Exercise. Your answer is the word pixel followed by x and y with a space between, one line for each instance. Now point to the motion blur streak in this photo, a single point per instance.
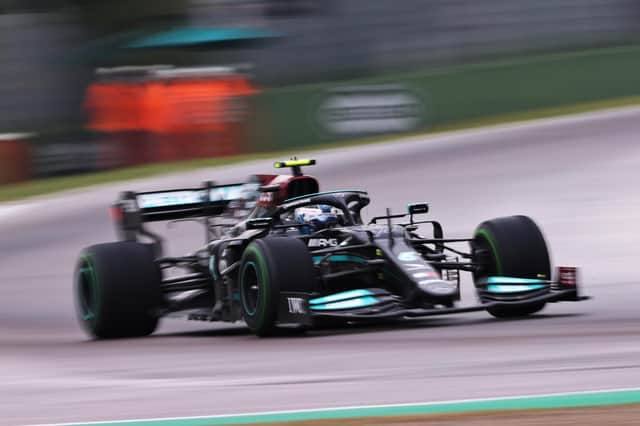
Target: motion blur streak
pixel 576 177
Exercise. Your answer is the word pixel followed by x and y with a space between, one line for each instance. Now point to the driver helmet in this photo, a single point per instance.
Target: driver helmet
pixel 316 217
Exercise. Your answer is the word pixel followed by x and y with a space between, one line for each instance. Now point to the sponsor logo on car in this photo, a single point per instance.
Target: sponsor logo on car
pixel 266 197
pixel 170 198
pixel 323 242
pixel 426 274
pixel 296 305
pixel 408 256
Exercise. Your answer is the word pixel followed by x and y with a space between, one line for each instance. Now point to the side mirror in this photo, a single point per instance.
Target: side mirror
pixel 259 223
pixel 418 208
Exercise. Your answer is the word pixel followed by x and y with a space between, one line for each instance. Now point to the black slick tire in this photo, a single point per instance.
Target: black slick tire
pixel 117 290
pixel 511 246
pixel 269 266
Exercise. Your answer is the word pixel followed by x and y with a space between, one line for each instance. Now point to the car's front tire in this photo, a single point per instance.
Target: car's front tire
pixel 511 246
pixel 268 266
pixel 117 290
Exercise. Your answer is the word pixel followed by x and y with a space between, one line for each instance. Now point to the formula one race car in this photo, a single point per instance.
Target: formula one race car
pixel 280 253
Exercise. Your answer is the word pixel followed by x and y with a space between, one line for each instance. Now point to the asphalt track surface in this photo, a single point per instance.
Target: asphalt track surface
pixel 577 177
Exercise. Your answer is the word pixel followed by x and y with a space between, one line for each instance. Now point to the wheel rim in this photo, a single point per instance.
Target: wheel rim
pixel 486 256
pixel 250 288
pixel 86 291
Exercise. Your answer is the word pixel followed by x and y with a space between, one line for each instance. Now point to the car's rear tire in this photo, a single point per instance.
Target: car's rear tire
pixel 269 266
pixel 117 290
pixel 511 246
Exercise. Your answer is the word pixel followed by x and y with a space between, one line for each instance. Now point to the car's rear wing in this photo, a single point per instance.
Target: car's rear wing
pixel 133 209
pixel 210 200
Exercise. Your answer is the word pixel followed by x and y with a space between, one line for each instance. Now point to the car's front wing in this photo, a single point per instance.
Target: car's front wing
pixel 395 310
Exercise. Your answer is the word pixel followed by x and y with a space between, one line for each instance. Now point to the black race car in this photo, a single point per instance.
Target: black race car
pixel 280 253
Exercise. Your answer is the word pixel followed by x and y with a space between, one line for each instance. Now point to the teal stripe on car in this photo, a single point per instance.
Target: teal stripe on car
pixel 344 295
pixel 514 280
pixel 359 302
pixel 341 258
pixel 517 288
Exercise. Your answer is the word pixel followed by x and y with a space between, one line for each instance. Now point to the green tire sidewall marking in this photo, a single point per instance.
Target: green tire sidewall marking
pixel 250 312
pixel 494 248
pixel 89 264
pixel 87 311
pixel 263 283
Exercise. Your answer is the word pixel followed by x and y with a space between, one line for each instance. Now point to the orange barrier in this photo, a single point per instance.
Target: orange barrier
pixel 193 105
pixel 171 119
pixel 114 107
pixel 14 158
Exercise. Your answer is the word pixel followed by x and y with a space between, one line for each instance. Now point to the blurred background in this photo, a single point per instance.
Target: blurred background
pixel 126 85
pixel 93 85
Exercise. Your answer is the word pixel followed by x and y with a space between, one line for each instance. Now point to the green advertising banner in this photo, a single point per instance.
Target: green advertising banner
pixel 309 115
